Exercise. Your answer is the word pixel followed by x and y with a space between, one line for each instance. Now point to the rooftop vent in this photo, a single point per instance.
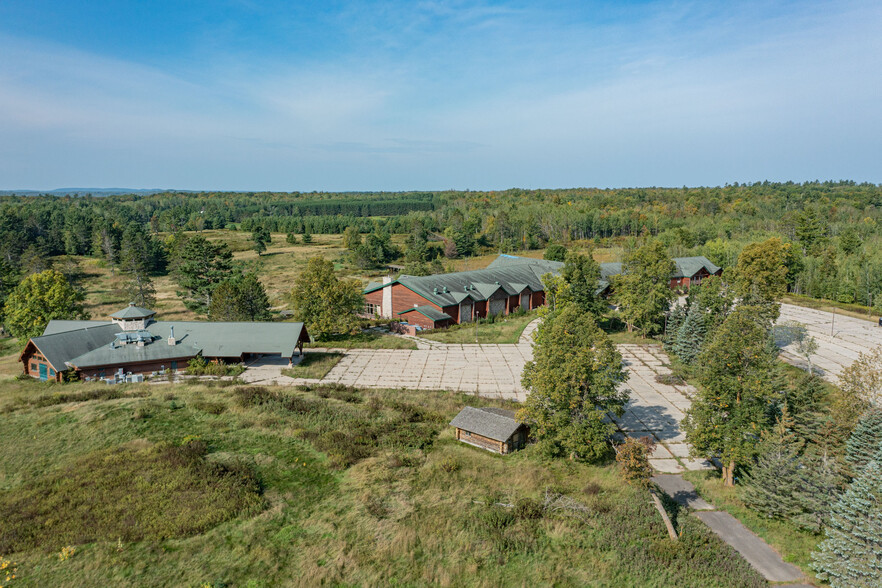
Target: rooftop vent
pixel 436 290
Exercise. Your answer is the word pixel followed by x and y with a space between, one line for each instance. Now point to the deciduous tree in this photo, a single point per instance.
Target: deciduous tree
pixel 325 303
pixel 574 383
pixel 736 372
pixel 38 299
pixel 642 290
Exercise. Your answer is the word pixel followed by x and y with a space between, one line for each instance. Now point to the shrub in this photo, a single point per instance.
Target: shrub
pixel 633 459
pixel 449 465
pixel 527 508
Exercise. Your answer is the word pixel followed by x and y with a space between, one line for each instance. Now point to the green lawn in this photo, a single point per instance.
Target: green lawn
pixel 792 543
pixel 354 488
pixel 315 365
pixel 364 340
pixel 502 330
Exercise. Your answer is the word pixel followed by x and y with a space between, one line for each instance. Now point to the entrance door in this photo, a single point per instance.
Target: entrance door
pixel 497 306
pixel 465 312
pixel 43 372
pixel 525 300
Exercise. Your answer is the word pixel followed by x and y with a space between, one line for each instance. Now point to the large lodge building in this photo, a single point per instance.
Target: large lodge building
pixel 507 284
pixel 132 342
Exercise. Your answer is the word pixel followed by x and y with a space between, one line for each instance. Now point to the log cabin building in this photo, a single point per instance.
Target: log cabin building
pixel 132 342
pixel 509 283
pixel 493 429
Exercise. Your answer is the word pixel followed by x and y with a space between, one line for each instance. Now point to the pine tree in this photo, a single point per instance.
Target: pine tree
pixel 866 440
pixel 818 486
pixel 690 335
pixel 676 316
pixel 770 485
pixel 851 554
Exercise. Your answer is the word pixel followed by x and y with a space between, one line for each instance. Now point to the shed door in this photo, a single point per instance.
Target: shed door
pixel 497 306
pixel 525 300
pixel 43 373
pixel 465 312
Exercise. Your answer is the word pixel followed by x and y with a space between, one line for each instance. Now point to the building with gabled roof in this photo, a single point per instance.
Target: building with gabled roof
pixel 132 342
pixel 507 284
pixel 493 429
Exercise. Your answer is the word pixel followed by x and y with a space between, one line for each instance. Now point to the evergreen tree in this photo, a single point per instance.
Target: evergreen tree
pixel 291 239
pixel 690 335
pixel 818 486
pixel 199 267
pixel 260 238
pixel 770 485
pixel 851 553
pixel 555 252
pixel 240 298
pixel 136 260
pixel 676 316
pixel 307 237
pixel 866 440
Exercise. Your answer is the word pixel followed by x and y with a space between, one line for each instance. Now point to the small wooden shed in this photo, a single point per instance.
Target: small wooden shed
pixel 493 429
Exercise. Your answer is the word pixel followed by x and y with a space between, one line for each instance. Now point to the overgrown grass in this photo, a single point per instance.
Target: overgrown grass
pixel 129 493
pixel 503 330
pixel 364 340
pixel 314 365
pixel 794 544
pixel 359 487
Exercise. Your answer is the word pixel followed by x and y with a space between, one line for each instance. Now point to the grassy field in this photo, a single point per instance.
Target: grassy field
pixel 792 543
pixel 364 340
pixel 315 365
pixel 502 330
pixel 304 487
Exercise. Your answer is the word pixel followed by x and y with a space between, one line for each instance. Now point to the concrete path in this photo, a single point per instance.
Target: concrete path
pixel 752 548
pixel 656 408
pixel 840 339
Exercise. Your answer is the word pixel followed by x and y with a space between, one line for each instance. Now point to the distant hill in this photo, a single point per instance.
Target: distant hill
pixel 92 191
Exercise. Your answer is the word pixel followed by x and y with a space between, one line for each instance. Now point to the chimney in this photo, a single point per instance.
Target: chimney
pixel 171 335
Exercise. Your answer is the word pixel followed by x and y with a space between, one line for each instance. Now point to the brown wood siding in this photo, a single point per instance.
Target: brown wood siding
pixel 480 310
pixel 415 318
pixel 453 311
pixel 538 299
pixel 481 441
pixel 375 297
pixel 513 303
pixel 404 298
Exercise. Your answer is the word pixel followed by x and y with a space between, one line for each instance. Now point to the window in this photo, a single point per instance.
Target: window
pixel 371 309
pixel 466 434
pixel 51 372
pixel 33 367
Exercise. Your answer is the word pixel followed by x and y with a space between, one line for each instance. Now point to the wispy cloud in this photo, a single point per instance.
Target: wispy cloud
pixel 455 94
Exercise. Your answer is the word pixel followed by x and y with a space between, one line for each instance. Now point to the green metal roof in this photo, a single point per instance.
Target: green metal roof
pixel 60 348
pixel 133 312
pixel 88 343
pixel 430 312
pixel 689 266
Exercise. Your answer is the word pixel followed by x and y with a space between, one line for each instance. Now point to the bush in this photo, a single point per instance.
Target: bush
pixel 527 508
pixel 633 459
pixel 199 366
pixel 449 465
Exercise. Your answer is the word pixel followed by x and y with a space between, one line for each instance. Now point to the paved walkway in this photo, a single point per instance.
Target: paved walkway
pixel 840 339
pixel 656 408
pixel 752 548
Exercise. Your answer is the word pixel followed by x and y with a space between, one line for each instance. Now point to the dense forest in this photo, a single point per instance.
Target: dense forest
pixel 833 227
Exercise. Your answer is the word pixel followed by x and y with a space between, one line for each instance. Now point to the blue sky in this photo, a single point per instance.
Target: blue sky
pixel 254 95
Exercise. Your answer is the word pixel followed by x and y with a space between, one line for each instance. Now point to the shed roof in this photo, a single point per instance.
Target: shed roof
pixel 133 312
pixel 430 312
pixel 494 423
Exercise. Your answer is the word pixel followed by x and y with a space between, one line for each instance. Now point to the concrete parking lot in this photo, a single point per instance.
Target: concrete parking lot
pixel 840 339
